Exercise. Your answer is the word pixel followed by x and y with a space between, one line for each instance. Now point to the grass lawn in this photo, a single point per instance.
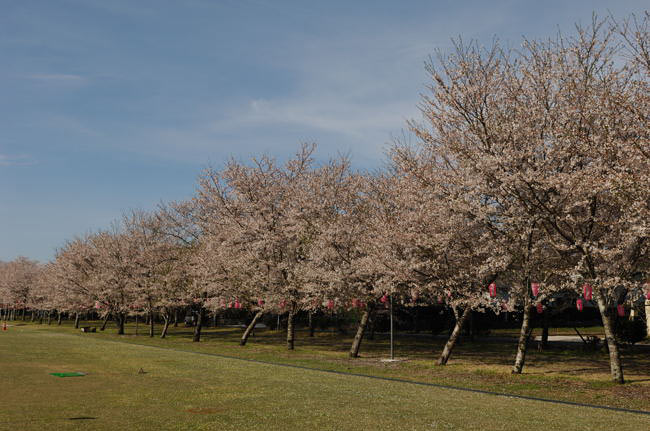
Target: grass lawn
pixel 183 390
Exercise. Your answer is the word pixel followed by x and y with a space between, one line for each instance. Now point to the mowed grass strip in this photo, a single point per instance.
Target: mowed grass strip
pixel 566 374
pixel 186 391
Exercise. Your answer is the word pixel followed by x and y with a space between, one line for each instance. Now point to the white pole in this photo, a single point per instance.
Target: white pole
pixel 392 356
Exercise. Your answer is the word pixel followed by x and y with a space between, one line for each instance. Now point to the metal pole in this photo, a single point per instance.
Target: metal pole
pixel 392 356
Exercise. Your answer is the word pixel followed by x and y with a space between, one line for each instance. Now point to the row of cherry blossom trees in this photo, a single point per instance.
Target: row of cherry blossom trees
pixel 528 173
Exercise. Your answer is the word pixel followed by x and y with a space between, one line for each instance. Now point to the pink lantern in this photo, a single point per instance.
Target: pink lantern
pixel 384 299
pixel 647 296
pixel 237 304
pixel 579 304
pixel 535 288
pixel 260 302
pixel 223 304
pixel 587 291
pixel 356 303
pixel 493 289
pixel 230 305
pixel 283 303
pixel 97 305
pixel 330 304
pixel 620 309
pixel 540 308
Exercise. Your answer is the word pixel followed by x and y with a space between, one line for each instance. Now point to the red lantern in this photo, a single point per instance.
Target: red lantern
pixel 237 304
pixel 540 308
pixel 587 291
pixel 330 304
pixel 620 308
pixel 647 296
pixel 356 303
pixel 493 289
pixel 384 299
pixel 260 302
pixel 283 303
pixel 579 304
pixel 535 288
pixel 230 305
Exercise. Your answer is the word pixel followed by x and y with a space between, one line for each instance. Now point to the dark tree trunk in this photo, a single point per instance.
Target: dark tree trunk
pixel 522 346
pixel 60 318
pixel 108 315
pixel 120 320
pixel 614 356
pixel 31 318
pixel 199 324
pixel 356 343
pixel 49 317
pixel 166 320
pixel 40 317
pixel 175 317
pixel 416 320
pixel 250 328
pixel 23 316
pixel 290 329
pixel 312 326
pixel 451 342
pixel 151 323
pixel 76 320
pixel 371 323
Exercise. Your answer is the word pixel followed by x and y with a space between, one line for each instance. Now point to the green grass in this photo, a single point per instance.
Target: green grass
pixel 183 390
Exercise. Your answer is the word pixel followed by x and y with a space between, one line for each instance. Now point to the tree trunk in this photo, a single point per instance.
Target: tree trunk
pixel 40 317
pixel 356 343
pixel 166 319
pixel 522 346
pixel 59 318
pixel 49 317
pixel 175 317
pixel 451 342
pixel 312 327
pixel 31 318
pixel 614 356
pixel 371 323
pixel 199 324
pixel 24 318
pixel 290 329
pixel 151 323
pixel 647 317
pixel 120 320
pixel 76 320
pixel 105 321
pixel 250 328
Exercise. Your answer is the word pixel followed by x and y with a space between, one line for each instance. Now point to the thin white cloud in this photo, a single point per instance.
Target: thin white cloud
pixel 58 77
pixel 17 160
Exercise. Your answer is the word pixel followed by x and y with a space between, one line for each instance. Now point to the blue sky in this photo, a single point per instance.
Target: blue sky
pixel 107 105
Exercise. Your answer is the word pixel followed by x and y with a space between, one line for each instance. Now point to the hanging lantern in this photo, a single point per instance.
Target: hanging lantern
pixel 260 302
pixel 647 296
pixel 535 288
pixel 540 308
pixel 587 291
pixel 97 305
pixel 283 303
pixel 230 305
pixel 237 304
pixel 330 304
pixel 620 309
pixel 223 304
pixel 356 303
pixel 384 299
pixel 579 304
pixel 493 289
